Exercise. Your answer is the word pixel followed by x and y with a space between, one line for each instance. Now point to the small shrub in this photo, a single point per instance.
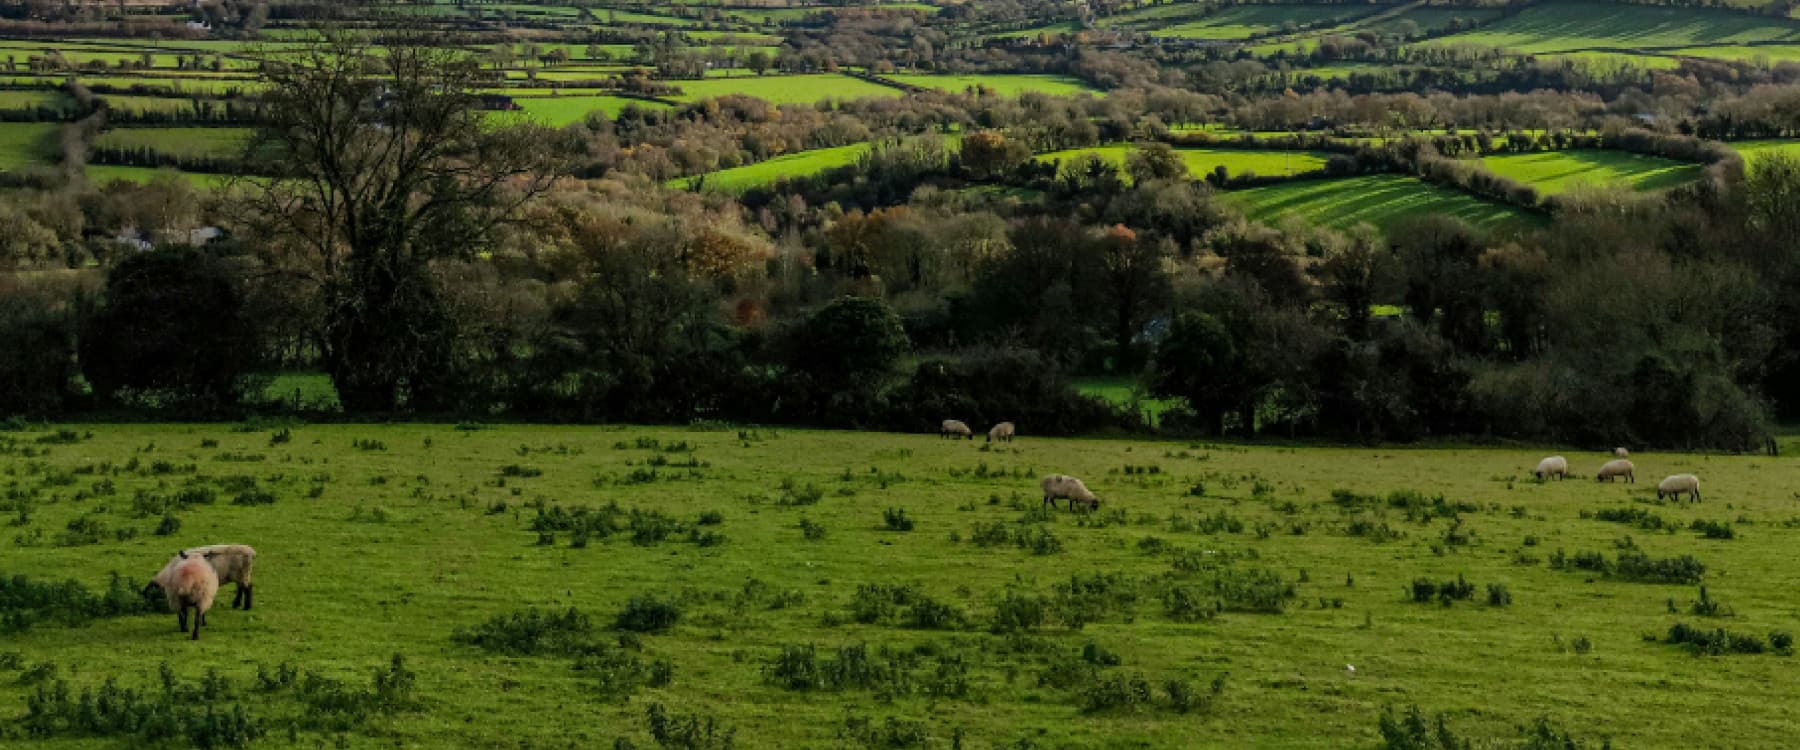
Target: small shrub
pixel 894 519
pixel 644 614
pixel 812 530
pixel 711 518
pixel 170 524
pixel 1498 596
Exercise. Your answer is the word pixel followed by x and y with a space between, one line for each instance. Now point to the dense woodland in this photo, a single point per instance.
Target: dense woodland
pixel 381 230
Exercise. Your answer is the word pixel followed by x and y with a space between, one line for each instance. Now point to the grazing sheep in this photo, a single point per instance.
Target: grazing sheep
pixel 954 429
pixel 1676 484
pixel 1002 432
pixel 1621 453
pixel 1617 468
pixel 1065 486
pixel 1554 466
pixel 233 563
pixel 187 581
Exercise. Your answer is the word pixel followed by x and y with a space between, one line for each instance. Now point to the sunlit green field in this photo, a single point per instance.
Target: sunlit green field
pixel 1557 171
pixel 1003 85
pixel 1753 150
pixel 795 89
pixel 382 540
pixel 1245 21
pixel 1203 161
pixel 1380 200
pixel 557 111
pixel 802 164
pixel 1564 27
pixel 101 174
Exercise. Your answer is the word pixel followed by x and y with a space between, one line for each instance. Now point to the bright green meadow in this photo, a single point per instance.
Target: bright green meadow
pixel 1380 200
pixel 1558 171
pixel 1251 579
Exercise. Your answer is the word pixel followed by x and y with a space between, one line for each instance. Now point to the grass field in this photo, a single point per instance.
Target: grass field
pixel 1122 391
pixel 192 142
pixel 1380 200
pixel 35 99
pixel 802 164
pixel 1763 54
pixel 392 547
pixel 1004 85
pixel 1245 21
pixel 1202 161
pixel 795 89
pixel 27 143
pixel 1752 150
pixel 557 111
pixel 101 174
pixel 1565 27
pixel 1558 171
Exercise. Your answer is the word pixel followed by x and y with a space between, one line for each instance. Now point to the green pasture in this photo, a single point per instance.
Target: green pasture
pixel 28 143
pixel 1245 21
pixel 1569 27
pixel 1380 200
pixel 794 89
pixel 1765 54
pixel 557 111
pixel 186 142
pixel 1558 171
pixel 1003 85
pixel 1754 150
pixel 35 99
pixel 801 164
pixel 1203 161
pixel 1274 582
pixel 100 174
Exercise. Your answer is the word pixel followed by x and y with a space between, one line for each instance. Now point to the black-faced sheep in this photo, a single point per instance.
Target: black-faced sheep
pixel 233 563
pixel 1554 466
pixel 955 429
pixel 1002 432
pixel 1616 469
pixel 187 581
pixel 1065 486
pixel 1677 484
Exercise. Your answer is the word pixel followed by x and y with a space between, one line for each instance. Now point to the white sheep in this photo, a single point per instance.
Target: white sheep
pixel 954 429
pixel 233 563
pixel 1676 484
pixel 187 581
pixel 1065 486
pixel 1002 432
pixel 1617 468
pixel 1621 453
pixel 1554 466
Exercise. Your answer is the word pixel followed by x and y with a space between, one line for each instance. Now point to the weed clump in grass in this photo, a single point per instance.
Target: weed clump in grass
pixel 1425 590
pixel 812 530
pixel 1412 732
pixel 646 614
pixel 895 519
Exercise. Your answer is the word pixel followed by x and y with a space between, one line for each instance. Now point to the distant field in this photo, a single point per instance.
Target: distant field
pixel 1753 150
pixel 35 99
pixel 1202 161
pixel 1429 19
pixel 101 174
pixel 27 143
pixel 1558 171
pixel 1771 53
pixel 206 142
pixel 1566 27
pixel 1611 61
pixel 797 89
pixel 1120 391
pixel 1381 200
pixel 135 103
pixel 557 111
pixel 1004 85
pixel 1245 21
pixel 802 164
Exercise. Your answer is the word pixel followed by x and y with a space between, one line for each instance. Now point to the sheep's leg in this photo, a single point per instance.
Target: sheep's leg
pixel 181 617
pixel 199 617
pixel 249 591
pixel 237 597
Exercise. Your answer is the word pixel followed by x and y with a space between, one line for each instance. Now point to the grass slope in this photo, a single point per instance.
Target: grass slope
pixel 1753 150
pixel 1564 27
pixel 1004 85
pixel 427 530
pixel 557 111
pixel 1557 171
pixel 213 142
pixel 1381 200
pixel 27 143
pixel 804 163
pixel 1202 161
pixel 795 89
